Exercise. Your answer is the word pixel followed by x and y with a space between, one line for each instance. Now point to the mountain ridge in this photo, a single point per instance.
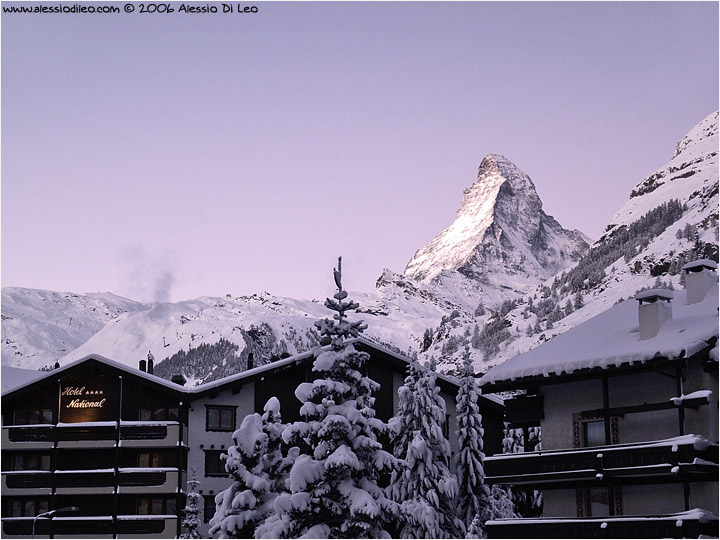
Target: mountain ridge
pixel 499 231
pixel 670 217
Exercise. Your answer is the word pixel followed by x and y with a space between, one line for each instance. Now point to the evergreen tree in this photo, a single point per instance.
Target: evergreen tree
pixel 193 504
pixel 424 487
pixel 240 508
pixel 276 465
pixel 473 493
pixel 333 487
pixel 499 506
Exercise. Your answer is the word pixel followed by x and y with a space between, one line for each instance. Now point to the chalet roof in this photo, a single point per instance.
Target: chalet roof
pixel 16 379
pixel 611 340
pixel 400 362
pixel 21 381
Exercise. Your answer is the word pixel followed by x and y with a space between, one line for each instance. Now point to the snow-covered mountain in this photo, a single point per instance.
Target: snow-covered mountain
pixel 671 218
pixel 501 241
pixel 38 326
pixel 532 278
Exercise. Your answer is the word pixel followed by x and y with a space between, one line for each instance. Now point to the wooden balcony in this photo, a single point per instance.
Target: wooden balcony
pixel 92 527
pixel 94 481
pixel 687 458
pixel 692 524
pixel 27 483
pixel 92 435
pixel 85 434
pixel 36 436
pixel 137 480
pixel 155 434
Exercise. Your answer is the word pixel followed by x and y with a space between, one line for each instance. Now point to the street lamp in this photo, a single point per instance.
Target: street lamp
pixel 52 513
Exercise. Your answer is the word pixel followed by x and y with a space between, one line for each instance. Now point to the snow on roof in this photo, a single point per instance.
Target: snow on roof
pixel 301 356
pixel 12 377
pixel 654 294
pixel 612 338
pixel 700 263
pixel 27 381
pixel 17 379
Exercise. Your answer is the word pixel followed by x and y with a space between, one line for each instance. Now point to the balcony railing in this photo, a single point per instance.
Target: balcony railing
pixel 688 458
pixel 132 480
pixel 164 526
pixel 104 434
pixel 692 524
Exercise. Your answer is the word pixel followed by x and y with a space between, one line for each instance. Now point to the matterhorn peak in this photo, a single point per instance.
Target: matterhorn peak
pixel 500 237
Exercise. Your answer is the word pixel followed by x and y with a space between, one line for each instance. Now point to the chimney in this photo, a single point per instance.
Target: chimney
pixel 654 309
pixel 143 365
pixel 150 363
pixel 179 379
pixel 700 276
pixel 250 361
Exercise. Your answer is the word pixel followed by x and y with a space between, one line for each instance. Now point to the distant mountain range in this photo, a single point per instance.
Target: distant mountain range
pixel 502 278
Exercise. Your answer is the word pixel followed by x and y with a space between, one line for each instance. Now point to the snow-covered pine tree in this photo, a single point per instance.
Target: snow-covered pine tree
pixel 425 488
pixel 193 504
pixel 472 491
pixel 499 507
pixel 333 487
pixel 241 507
pixel 276 465
pixel 527 503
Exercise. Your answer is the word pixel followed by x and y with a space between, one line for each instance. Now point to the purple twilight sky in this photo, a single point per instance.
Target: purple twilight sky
pixel 170 156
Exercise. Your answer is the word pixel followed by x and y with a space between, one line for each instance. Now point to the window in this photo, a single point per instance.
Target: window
pixel 33 416
pixel 27 507
pixel 220 418
pixel 156 459
pixel 158 414
pixel 594 433
pixel 31 462
pixel 214 464
pixel 156 507
pixel 209 510
pixel 597 502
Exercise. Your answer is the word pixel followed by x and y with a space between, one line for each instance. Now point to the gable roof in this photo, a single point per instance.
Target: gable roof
pixel 446 382
pixel 612 340
pixel 24 383
pixel 16 381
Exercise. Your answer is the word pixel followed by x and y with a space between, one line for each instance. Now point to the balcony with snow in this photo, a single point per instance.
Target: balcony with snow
pixel 676 460
pixel 91 527
pixel 33 436
pixel 628 408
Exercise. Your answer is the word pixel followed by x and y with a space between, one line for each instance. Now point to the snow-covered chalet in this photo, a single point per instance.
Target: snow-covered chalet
pixel 627 403
pixel 117 443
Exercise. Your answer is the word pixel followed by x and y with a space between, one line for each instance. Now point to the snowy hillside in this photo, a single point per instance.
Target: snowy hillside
pixel 39 327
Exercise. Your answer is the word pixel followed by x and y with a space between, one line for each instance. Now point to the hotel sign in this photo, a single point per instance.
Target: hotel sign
pixel 89 400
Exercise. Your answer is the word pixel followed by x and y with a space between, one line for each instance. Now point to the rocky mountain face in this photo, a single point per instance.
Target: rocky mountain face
pixel 501 279
pixel 671 218
pixel 501 241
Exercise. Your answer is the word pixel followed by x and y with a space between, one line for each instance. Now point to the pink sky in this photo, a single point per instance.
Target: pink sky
pixel 165 157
